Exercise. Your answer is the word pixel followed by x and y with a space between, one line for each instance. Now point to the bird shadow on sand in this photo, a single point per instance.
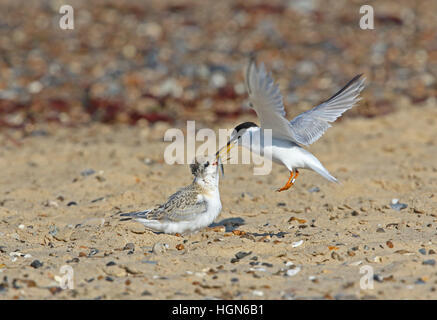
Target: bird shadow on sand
pixel 230 224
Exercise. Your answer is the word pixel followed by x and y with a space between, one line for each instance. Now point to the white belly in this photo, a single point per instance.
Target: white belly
pixel 280 151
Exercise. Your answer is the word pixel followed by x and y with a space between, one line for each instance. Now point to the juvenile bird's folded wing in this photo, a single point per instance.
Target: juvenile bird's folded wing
pixel 183 205
pixel 309 126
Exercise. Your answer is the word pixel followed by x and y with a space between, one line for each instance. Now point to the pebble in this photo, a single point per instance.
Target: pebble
pixel 422 251
pixel 293 272
pixel 115 271
pixel 247 195
pixel 72 203
pixel 336 256
pixel 129 246
pixel 137 228
pixel 159 248
pixel 314 189
pixel 53 204
pixel 53 230
pixel 87 172
pixel 378 278
pixel 242 254
pixel 110 263
pixel 146 293
pixel 380 230
pixel 258 293
pixel 170 87
pixel 218 80
pixel 396 205
pixel 36 264
pixel 297 243
pixel 93 252
pixel 430 262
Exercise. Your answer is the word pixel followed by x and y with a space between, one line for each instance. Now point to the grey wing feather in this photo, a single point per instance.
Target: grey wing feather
pixel 266 99
pixel 182 205
pixel 135 214
pixel 309 126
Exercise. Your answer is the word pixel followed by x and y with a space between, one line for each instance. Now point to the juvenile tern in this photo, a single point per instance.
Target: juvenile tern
pixel 287 136
pixel 191 208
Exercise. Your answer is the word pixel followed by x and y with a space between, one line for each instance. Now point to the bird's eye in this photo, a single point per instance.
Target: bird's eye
pixel 206 164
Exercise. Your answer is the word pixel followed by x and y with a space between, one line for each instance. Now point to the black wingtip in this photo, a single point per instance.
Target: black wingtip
pixel 125 214
pixel 353 80
pixel 357 77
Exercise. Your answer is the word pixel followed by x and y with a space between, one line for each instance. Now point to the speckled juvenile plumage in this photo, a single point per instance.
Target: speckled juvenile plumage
pixel 179 206
pixel 190 208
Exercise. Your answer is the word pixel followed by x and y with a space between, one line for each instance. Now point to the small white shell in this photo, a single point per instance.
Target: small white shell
pixel 258 293
pixel 293 272
pixel 297 243
pixel 356 263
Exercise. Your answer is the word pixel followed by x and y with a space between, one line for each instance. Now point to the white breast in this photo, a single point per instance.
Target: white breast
pixel 280 151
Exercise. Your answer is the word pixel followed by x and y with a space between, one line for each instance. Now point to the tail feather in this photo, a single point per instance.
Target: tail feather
pixel 134 215
pixel 324 173
pixel 311 162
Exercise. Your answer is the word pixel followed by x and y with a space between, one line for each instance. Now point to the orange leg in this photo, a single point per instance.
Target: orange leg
pixel 290 182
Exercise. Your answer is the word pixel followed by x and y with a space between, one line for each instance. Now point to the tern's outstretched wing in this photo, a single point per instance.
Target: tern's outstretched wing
pixel 309 126
pixel 266 99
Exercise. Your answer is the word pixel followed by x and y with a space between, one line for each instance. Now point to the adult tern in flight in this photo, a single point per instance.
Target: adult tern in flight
pixel 287 136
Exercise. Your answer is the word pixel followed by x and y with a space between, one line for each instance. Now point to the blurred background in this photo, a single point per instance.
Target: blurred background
pixel 145 62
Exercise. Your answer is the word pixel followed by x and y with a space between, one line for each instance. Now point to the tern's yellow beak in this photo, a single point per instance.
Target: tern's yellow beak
pixel 228 148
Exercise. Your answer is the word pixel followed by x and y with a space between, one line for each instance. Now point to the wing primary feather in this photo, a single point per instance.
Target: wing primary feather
pixel 345 87
pixel 310 125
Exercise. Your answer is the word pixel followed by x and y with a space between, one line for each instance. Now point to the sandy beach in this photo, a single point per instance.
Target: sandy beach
pixel 62 190
pixel 83 113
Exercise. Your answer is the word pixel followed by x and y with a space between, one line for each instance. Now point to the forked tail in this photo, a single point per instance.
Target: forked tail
pixel 324 173
pixel 314 164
